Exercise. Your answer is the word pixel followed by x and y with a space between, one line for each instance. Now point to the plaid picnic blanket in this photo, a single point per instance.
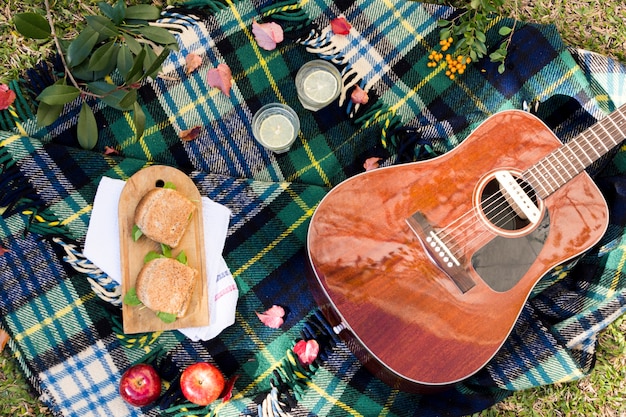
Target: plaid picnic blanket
pixel 63 313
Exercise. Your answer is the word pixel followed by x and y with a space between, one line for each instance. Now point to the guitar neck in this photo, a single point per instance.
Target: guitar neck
pixel 564 163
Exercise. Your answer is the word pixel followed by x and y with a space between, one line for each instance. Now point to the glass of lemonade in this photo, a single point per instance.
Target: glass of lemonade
pixel 276 126
pixel 318 83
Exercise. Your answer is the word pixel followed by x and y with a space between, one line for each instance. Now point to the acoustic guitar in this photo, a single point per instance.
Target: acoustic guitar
pixel 423 268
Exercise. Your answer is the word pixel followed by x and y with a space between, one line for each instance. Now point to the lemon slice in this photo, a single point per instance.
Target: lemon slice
pixel 320 86
pixel 276 131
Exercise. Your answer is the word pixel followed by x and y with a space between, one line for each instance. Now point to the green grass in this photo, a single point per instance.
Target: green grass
pixel 598 26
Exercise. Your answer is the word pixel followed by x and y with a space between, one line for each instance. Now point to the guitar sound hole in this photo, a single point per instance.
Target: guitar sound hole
pixel 502 212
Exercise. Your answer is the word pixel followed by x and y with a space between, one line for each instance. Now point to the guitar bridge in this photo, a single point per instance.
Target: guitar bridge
pixel 439 253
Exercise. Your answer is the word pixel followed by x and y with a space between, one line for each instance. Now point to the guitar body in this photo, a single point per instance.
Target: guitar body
pixel 403 316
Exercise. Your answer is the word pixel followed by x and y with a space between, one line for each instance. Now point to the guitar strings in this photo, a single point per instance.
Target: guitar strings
pixel 496 201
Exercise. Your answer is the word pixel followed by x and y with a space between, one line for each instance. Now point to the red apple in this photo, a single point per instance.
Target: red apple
pixel 140 385
pixel 202 383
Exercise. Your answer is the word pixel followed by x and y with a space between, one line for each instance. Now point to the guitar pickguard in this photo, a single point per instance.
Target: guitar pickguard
pixel 503 261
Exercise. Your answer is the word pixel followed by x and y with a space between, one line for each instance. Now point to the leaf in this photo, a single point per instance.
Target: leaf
pixel 133 44
pixel 267 35
pixel 137 233
pixel 307 351
pixel 110 12
pixel 221 77
pixel 496 56
pixel 128 100
pixel 273 317
pixel 87 128
pixel 105 57
pixel 505 30
pixel 32 25
pixel 101 88
pixel 169 185
pixel 143 12
pixel 48 113
pixel 167 251
pixel 152 255
pixel 166 317
pixel 102 25
pixel 159 35
pixel 119 99
pixel 182 257
pixel 124 60
pixel 190 134
pixel 131 299
pixel 136 72
pixel 140 119
pixel 58 94
pixel 154 68
pixel 81 47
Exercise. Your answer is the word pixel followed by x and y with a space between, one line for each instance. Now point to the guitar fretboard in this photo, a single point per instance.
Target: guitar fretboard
pixel 564 163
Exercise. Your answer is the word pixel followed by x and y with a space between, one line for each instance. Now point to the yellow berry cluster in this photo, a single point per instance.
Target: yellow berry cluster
pixel 452 65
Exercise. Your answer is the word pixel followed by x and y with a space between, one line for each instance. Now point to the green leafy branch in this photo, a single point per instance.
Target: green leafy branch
pixel 107 60
pixel 469 28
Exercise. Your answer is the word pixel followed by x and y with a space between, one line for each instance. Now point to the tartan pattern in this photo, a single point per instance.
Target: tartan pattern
pixel 69 339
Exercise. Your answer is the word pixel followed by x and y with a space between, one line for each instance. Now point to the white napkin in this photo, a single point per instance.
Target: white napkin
pixel 102 247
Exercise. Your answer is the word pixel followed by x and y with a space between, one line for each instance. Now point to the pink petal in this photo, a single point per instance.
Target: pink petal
pixel 270 321
pixel 307 351
pixel 371 163
pixel 110 151
pixel 7 97
pixel 272 317
pixel 267 35
pixel 227 393
pixel 340 26
pixel 192 62
pixel 276 311
pixel 359 96
pixel 190 134
pixel 221 77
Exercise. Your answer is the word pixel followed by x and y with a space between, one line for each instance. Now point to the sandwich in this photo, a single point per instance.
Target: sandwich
pixel 163 215
pixel 165 286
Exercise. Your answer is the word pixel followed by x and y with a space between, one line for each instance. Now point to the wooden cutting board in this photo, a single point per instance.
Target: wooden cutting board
pixel 141 319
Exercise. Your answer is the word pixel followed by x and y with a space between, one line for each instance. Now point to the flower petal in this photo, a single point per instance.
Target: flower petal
pixel 340 26
pixel 192 62
pixel 270 321
pixel 307 351
pixel 190 134
pixel 359 96
pixel 371 163
pixel 221 77
pixel 227 392
pixel 110 151
pixel 267 35
pixel 7 97
pixel 272 317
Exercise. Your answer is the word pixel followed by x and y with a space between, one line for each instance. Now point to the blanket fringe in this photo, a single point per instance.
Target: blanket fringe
pixel 290 13
pixel 213 6
pixel 103 285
